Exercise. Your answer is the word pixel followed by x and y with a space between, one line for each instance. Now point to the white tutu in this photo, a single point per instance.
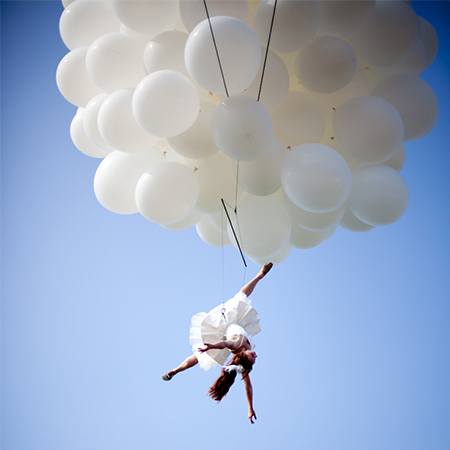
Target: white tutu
pixel 240 318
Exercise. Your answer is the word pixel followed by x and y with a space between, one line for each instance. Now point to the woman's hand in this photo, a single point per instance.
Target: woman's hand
pixel 206 348
pixel 251 416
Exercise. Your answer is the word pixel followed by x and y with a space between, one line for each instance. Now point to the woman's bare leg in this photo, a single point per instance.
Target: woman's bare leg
pixel 248 288
pixel 189 362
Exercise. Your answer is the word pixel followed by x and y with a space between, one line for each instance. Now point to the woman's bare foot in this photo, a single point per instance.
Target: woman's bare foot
pixel 169 375
pixel 265 269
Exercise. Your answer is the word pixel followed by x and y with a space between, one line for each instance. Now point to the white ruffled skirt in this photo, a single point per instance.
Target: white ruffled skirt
pixel 238 318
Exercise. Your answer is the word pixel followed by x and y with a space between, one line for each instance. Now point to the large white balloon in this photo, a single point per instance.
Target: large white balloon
pixel 73 79
pixel 316 178
pixel 193 11
pixel 262 176
pixel 81 139
pixel 299 120
pixel 209 233
pixel 415 101
pixel 351 223
pixel 117 176
pixel 114 61
pixel 239 51
pixel 342 18
pixel 189 221
pixel 197 142
pixel 313 221
pixel 295 23
pixel 166 103
pixel 430 39
pixel 90 121
pixel 379 195
pixel 326 64
pixel 388 36
pixel 414 64
pixel 275 259
pixel 369 128
pixel 118 126
pixel 242 128
pixel 304 239
pixel 216 181
pixel 149 18
pixel 166 52
pixel 275 87
pixel 167 192
pixel 358 86
pixel 263 226
pixel 398 160
pixel 83 21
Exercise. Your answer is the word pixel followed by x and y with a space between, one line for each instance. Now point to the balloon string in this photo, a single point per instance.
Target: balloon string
pixel 234 233
pixel 215 46
pixel 267 50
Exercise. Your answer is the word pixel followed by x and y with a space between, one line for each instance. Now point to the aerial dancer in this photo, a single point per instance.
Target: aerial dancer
pixel 226 329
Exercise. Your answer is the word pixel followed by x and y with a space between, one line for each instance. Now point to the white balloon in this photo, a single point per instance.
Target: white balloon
pixel 316 178
pixel 262 176
pixel 188 222
pixel 326 64
pixel 73 79
pixel 341 18
pixel 295 23
pixel 193 11
pixel 430 39
pixel 197 142
pixel 167 192
pixel 83 21
pixel 379 195
pixel 358 86
pixel 313 221
pixel 118 126
pixel 398 160
pixel 388 36
pixel 242 128
pixel 117 176
pixel 219 222
pixel 351 223
pixel 90 122
pixel 114 61
pixel 299 120
pixel 414 64
pixel 216 181
pixel 209 234
pixel 240 55
pixel 369 128
pixel 275 87
pixel 147 17
pixel 415 101
pixel 81 140
pixel 275 259
pixel 304 239
pixel 166 52
pixel 166 103
pixel 263 226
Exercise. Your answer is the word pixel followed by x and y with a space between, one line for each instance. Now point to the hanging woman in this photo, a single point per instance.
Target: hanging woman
pixel 227 329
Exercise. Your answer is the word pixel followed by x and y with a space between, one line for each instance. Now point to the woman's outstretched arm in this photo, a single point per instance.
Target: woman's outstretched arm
pixel 231 345
pixel 248 288
pixel 249 394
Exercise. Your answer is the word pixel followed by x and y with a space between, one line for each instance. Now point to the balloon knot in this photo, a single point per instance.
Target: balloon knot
pixel 195 169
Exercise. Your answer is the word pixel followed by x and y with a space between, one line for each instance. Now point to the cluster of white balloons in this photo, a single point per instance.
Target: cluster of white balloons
pixel 323 146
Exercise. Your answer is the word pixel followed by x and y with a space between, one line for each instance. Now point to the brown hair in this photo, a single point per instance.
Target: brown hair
pixel 222 385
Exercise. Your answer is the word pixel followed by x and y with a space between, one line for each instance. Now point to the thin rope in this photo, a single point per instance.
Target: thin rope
pixel 234 233
pixel 267 50
pixel 215 46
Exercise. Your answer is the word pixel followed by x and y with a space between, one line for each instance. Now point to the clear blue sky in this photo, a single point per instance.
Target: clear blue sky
pixel 96 306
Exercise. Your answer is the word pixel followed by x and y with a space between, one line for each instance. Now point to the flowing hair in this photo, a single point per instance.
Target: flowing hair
pixel 222 385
